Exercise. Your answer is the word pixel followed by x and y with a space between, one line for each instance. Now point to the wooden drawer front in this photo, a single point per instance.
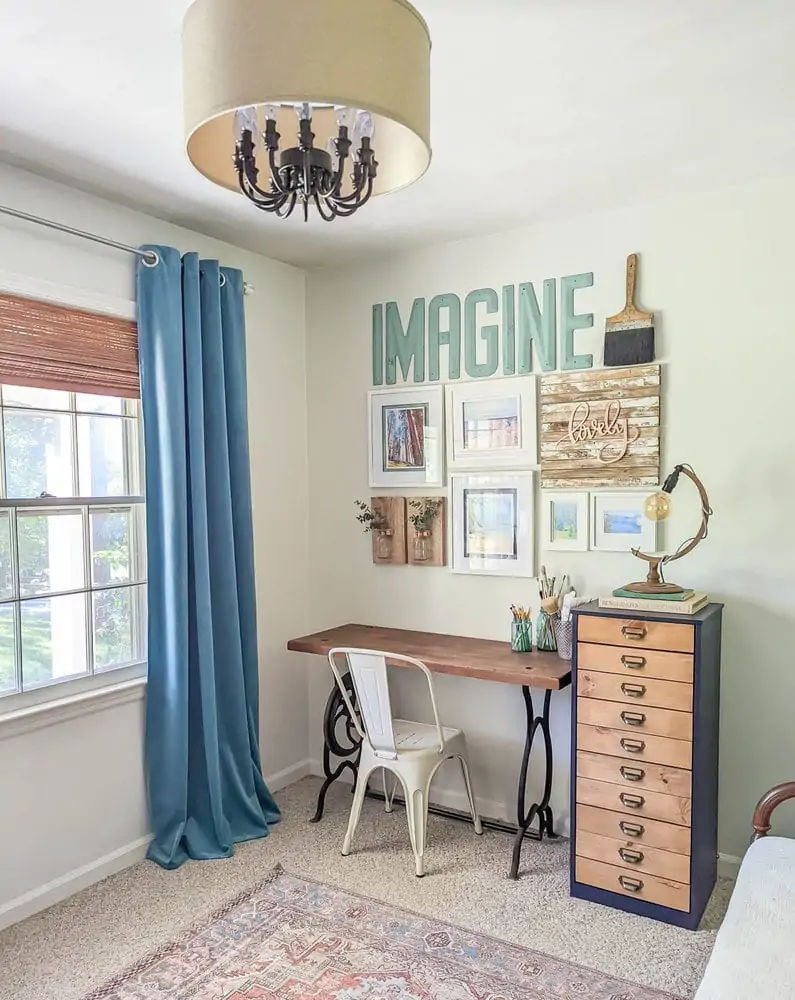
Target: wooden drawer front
pixel 652 888
pixel 632 829
pixel 635 801
pixel 636 633
pixel 636 720
pixel 635 857
pixel 635 664
pixel 635 746
pixel 635 690
pixel 639 774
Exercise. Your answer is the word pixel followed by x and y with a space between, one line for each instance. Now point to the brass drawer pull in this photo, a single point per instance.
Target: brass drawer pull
pixel 636 632
pixel 631 857
pixel 633 773
pixel 633 746
pixel 631 829
pixel 632 801
pixel 633 690
pixel 634 662
pixel 630 884
pixel 633 718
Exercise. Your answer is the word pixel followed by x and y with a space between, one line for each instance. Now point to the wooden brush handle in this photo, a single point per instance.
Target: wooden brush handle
pixel 632 274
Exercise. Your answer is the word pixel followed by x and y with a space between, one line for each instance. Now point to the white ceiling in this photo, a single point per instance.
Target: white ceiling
pixel 540 109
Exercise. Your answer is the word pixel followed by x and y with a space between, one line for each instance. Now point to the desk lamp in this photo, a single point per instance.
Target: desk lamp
pixel 658 507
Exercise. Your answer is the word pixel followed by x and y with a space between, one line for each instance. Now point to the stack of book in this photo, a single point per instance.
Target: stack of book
pixel 687 603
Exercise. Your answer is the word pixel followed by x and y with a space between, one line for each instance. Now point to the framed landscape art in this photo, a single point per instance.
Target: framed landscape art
pixel 565 521
pixel 492 424
pixel 618 523
pixel 492 524
pixel 406 437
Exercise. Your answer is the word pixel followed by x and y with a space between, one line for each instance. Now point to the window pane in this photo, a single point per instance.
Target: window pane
pixel 110 546
pixel 89 403
pixel 53 639
pixel 50 552
pixel 38 453
pixel 7 643
pixel 118 627
pixel 42 399
pixel 100 449
pixel 6 573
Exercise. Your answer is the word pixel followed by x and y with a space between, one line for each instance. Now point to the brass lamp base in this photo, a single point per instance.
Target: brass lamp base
pixel 654 583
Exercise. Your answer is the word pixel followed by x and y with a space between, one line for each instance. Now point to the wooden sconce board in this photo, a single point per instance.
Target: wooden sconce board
pixel 438 539
pixel 394 511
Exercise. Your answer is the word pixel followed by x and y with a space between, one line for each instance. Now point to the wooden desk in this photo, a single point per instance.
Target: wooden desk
pixel 483 659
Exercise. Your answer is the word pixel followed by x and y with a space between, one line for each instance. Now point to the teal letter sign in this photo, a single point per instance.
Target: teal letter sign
pixel 569 322
pixel 405 346
pixel 490 333
pixel 536 328
pixel 450 337
pixel 523 336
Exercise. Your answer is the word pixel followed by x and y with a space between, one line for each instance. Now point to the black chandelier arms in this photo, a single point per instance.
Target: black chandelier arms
pixel 305 173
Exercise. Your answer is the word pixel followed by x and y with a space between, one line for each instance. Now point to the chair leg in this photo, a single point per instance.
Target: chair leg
pixel 356 811
pixel 470 795
pixel 417 815
pixel 389 794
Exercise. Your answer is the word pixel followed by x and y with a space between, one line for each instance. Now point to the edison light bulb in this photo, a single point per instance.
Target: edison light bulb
pixel 658 506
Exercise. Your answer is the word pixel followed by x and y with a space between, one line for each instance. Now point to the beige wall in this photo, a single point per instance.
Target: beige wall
pixel 72 802
pixel 718 270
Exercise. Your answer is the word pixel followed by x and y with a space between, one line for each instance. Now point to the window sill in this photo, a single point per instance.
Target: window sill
pixel 51 713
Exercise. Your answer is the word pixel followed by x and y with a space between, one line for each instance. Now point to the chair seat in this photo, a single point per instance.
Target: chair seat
pixel 421 738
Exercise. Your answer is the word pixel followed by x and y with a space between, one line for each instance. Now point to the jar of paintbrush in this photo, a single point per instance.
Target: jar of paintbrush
pixel 549 596
pixel 521 630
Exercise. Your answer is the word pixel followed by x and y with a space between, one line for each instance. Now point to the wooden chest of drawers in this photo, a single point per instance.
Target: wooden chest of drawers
pixel 644 776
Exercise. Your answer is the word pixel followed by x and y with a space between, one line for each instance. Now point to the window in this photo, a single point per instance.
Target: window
pixel 72 537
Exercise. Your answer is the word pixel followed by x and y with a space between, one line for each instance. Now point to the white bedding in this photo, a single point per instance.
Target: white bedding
pixel 754 955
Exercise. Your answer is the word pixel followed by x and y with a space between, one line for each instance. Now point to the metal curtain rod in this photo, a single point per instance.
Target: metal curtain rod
pixel 149 257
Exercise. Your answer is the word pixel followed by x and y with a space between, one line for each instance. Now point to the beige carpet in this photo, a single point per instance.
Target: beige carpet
pixel 75 946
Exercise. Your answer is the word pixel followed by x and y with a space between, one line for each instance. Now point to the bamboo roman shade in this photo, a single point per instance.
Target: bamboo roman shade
pixel 56 347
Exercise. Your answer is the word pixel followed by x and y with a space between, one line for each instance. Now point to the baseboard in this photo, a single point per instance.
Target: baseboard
pixel 728 865
pixel 123 857
pixel 289 775
pixel 448 797
pixel 67 885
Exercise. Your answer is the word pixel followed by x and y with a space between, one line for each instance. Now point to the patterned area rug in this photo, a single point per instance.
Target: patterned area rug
pixel 292 939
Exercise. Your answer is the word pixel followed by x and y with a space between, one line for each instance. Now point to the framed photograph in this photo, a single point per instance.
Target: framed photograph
pixel 565 521
pixel 492 424
pixel 619 525
pixel 492 524
pixel 406 437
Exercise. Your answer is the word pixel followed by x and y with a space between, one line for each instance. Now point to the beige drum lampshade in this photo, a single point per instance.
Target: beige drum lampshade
pixel 372 55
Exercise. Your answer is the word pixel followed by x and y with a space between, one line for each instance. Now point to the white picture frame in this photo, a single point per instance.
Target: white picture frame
pixel 492 523
pixel 628 528
pixel 406 437
pixel 565 521
pixel 492 424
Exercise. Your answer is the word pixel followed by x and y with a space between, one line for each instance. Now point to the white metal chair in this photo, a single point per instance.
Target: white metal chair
pixel 412 751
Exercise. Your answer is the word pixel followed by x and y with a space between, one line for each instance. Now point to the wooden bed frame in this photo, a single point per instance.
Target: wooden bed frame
pixel 769 801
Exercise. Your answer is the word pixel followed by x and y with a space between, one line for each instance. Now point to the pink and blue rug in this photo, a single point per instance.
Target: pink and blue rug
pixel 292 939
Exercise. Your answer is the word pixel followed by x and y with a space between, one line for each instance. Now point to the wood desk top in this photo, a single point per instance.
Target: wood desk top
pixel 485 659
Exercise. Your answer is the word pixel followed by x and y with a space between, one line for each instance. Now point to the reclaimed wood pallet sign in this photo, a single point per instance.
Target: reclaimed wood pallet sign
pixel 600 428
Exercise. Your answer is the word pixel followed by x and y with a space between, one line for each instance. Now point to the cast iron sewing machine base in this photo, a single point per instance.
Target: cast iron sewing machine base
pixel 342 741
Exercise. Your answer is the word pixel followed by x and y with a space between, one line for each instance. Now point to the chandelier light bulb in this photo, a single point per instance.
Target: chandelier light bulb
pixel 365 127
pixel 658 506
pixel 346 117
pixel 270 111
pixel 246 120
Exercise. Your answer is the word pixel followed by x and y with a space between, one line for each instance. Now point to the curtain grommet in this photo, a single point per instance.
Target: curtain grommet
pixel 149 258
pixel 223 279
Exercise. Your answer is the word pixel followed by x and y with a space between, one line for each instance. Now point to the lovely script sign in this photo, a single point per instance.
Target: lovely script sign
pixel 600 428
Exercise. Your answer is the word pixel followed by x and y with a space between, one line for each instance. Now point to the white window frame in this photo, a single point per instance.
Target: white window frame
pixel 73 690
